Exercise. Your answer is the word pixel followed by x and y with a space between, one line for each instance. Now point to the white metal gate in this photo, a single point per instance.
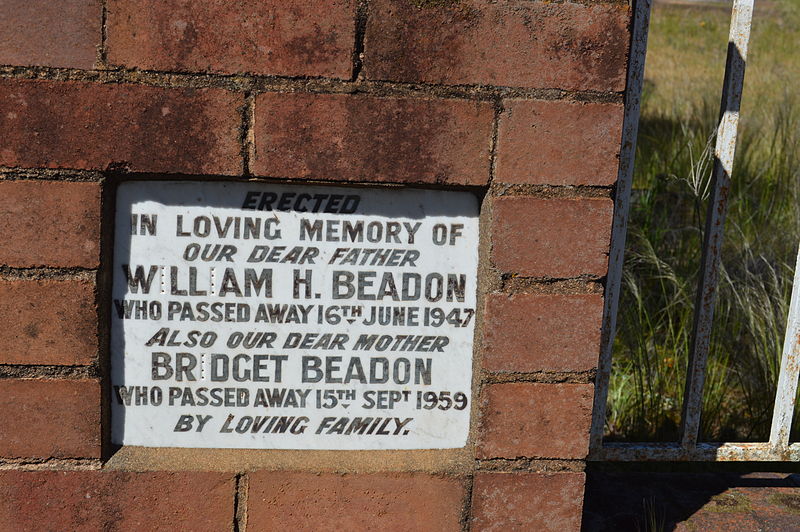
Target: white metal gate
pixel 778 448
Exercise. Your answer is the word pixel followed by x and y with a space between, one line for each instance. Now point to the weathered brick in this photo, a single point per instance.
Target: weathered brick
pixel 311 501
pixel 557 238
pixel 535 420
pixel 284 38
pixel 362 138
pixel 115 500
pixel 90 126
pixel 50 418
pixel 542 332
pixel 48 322
pixel 48 223
pixel 559 143
pixel 527 501
pixel 46 33
pixel 509 42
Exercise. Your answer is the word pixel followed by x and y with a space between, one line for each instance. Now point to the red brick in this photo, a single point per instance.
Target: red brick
pixel 557 238
pixel 527 501
pixel 351 137
pixel 284 38
pixel 48 223
pixel 535 420
pixel 509 42
pixel 48 322
pixel 50 418
pixel 310 501
pixel 144 129
pixel 115 500
pixel 559 143
pixel 47 33
pixel 542 332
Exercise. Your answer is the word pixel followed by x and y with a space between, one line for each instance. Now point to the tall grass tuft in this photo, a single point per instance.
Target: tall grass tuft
pixel 671 188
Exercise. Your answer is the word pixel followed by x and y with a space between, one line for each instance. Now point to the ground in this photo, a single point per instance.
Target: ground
pixel 689 502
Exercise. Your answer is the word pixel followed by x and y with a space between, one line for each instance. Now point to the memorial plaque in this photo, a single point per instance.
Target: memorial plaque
pixel 252 315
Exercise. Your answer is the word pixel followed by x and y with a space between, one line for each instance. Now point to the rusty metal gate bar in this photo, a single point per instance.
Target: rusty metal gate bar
pixel 724 151
pixel 778 448
pixel 619 231
pixel 790 371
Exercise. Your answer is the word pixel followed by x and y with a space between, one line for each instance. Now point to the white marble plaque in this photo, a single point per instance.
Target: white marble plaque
pixel 252 315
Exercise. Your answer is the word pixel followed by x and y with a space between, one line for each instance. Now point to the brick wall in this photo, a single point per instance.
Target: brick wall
pixel 519 101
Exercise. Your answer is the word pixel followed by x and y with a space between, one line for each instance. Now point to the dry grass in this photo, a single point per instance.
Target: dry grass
pixel 686 57
pixel 684 72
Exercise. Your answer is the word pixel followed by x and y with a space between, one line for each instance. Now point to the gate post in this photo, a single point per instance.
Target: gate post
pixel 305 265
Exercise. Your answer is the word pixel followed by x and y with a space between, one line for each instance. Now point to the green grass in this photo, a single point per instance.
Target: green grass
pixel 671 184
